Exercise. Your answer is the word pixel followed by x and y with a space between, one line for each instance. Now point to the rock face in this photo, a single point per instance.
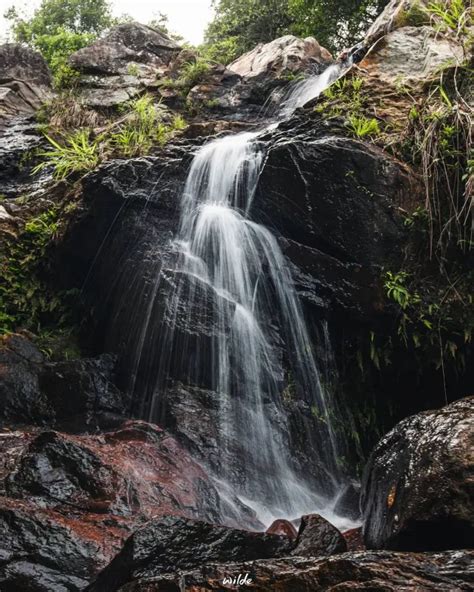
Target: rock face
pixel 284 56
pixel 419 483
pixel 345 224
pixel 412 55
pixel 68 502
pixel 130 43
pixel 25 80
pixel 368 571
pixel 122 64
pixel 78 394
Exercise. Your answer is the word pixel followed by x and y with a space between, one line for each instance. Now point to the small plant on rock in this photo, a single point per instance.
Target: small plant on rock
pixel 78 153
pixel 362 127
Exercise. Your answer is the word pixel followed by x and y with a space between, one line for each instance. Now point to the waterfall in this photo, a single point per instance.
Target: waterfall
pixel 231 273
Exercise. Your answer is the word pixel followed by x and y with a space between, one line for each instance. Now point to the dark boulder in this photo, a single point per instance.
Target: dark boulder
pixel 20 397
pixel 171 544
pixel 68 502
pixel 317 537
pixel 348 501
pixel 418 484
pixel 342 222
pixel 344 193
pixel 82 393
pixel 40 554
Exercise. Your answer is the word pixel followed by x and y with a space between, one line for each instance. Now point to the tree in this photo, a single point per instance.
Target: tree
pixel 334 24
pixel 240 24
pixel 59 28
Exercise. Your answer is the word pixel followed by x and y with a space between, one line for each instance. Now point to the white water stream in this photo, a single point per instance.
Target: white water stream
pixel 241 263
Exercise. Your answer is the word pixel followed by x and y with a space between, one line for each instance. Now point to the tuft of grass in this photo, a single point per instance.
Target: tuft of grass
pixel 363 127
pixel 453 15
pixel 78 153
pixel 194 72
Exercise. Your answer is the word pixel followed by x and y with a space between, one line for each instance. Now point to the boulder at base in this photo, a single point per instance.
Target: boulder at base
pixel 171 544
pixel 419 483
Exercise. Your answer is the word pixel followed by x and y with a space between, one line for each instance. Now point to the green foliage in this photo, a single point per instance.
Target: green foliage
pixel 362 127
pixel 334 24
pixel 142 129
pixel 239 25
pixel 395 284
pixel 453 15
pixel 137 132
pixel 434 318
pixel 26 300
pixel 222 51
pixel 194 72
pixel 76 154
pixel 439 138
pixel 60 27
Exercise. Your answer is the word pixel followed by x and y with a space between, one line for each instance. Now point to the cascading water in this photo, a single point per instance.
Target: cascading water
pixel 255 309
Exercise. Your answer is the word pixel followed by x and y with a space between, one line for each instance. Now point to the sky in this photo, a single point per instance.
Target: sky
pixel 189 18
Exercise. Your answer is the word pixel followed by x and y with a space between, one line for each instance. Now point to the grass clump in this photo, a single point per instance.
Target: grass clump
pixel 141 128
pixel 451 15
pixel 362 127
pixel 77 154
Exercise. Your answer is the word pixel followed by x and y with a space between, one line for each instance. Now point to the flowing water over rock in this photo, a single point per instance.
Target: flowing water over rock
pixel 260 347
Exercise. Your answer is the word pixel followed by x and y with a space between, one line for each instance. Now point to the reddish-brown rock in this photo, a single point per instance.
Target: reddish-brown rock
pixel 284 528
pixel 69 501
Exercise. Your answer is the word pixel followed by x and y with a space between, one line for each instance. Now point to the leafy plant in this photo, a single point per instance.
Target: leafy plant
pixel 76 154
pixel 395 285
pixel 25 297
pixel 362 127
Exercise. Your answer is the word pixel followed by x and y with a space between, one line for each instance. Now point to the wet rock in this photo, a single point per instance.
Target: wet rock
pixel 283 528
pixel 39 554
pixel 77 394
pixel 354 539
pixel 18 139
pixel 171 544
pixel 82 393
pixel 418 484
pixel 317 537
pixel 20 397
pixel 25 81
pixel 348 501
pixel 343 205
pixel 68 502
pixel 283 56
pixel 368 571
